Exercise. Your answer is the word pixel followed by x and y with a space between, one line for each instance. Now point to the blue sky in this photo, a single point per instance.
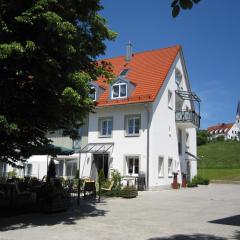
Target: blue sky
pixel 209 35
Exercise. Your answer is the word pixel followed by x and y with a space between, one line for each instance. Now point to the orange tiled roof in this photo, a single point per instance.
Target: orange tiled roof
pixel 223 126
pixel 148 70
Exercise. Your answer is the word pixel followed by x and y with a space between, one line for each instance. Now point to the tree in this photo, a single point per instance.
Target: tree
pixel 177 5
pixel 51 170
pixel 202 137
pixel 48 51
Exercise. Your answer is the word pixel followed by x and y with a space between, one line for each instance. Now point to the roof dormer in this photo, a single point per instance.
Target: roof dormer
pixel 119 89
pixel 95 91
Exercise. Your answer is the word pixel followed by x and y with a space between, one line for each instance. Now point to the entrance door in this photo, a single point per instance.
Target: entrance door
pixel 101 162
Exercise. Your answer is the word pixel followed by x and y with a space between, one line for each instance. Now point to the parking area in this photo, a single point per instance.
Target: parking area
pixel 207 212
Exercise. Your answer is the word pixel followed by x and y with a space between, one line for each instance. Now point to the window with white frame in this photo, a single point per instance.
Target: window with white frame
pixel 71 168
pixel 170 167
pixel 105 127
pixel 132 125
pixel 170 99
pixel 119 90
pixel 28 169
pixel 160 166
pixel 132 165
pixel 93 93
pixel 178 78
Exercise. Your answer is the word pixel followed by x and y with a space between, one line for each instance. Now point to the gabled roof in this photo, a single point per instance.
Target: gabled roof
pixel 225 127
pixel 148 70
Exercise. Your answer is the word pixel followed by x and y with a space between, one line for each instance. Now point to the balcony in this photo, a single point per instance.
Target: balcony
pixel 187 119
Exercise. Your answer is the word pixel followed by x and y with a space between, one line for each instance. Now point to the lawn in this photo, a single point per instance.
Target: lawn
pixel 224 155
pixel 220 174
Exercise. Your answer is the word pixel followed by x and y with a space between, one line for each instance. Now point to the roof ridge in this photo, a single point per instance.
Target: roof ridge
pixel 141 52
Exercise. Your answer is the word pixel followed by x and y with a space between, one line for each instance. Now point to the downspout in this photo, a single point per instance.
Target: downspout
pixel 148 123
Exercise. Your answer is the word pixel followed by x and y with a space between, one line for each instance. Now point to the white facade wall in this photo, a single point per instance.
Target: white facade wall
pixel 123 145
pixel 164 133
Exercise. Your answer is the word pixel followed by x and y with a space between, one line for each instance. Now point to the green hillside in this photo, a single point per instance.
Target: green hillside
pixel 224 155
pixel 220 161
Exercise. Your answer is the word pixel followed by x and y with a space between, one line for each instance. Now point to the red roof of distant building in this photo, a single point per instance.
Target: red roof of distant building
pixel 148 70
pixel 223 126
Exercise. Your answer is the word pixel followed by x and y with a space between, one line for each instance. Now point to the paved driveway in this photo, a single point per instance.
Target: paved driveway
pixel 207 212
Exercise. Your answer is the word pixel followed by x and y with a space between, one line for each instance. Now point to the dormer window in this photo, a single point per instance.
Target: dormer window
pixel 119 90
pixel 93 93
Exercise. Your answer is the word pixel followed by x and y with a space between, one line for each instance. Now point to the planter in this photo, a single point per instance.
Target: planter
pixel 129 192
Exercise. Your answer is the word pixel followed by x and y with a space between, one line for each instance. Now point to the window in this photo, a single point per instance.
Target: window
pixel 93 93
pixel 170 167
pixel 28 169
pixel 124 72
pixel 170 101
pixel 119 90
pixel 132 165
pixel 133 125
pixel 160 167
pixel 179 141
pixel 105 127
pixel 178 78
pixel 59 169
pixel 71 168
pixel 187 140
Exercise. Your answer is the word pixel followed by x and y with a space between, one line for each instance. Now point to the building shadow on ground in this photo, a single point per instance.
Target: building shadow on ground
pixel 233 221
pixel 189 237
pixel 87 208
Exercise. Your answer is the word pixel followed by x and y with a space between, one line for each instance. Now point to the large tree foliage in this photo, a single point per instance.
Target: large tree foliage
pixel 48 50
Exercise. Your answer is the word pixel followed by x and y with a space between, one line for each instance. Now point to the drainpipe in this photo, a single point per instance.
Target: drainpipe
pixel 148 123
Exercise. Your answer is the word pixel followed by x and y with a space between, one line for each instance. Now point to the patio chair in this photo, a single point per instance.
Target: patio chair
pixel 109 188
pixel 90 188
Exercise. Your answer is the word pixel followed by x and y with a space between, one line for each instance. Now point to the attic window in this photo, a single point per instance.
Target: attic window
pixel 124 72
pixel 178 78
pixel 119 90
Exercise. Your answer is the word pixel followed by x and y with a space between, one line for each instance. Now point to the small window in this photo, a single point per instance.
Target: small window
pixel 178 78
pixel 124 72
pixel 170 100
pixel 160 167
pixel 187 140
pixel 132 165
pixel 28 169
pixel 179 141
pixel 119 90
pixel 170 167
pixel 105 127
pixel 133 125
pixel 93 93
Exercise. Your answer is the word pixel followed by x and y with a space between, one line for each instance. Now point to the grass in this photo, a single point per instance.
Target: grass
pixel 220 174
pixel 220 160
pixel 219 155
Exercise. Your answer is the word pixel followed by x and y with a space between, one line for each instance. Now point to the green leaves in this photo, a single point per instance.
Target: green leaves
pixel 177 5
pixel 48 52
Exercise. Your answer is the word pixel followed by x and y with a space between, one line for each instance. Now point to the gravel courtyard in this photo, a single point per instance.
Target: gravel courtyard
pixel 207 212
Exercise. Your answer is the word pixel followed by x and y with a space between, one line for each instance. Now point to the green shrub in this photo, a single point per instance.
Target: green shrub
pixel 192 184
pixel 200 180
pixel 12 174
pixel 116 178
pixel 129 192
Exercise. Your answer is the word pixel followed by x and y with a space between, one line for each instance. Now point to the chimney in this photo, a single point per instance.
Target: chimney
pixel 128 56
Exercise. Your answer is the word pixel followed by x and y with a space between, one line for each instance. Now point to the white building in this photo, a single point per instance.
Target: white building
pixel 230 131
pixel 144 121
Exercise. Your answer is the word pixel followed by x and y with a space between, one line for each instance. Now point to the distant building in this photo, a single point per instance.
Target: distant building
pixel 227 130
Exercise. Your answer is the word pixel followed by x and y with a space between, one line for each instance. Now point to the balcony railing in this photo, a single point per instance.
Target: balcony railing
pixel 187 117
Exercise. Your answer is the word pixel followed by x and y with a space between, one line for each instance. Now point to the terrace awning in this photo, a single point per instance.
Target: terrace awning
pixel 193 156
pixel 185 95
pixel 97 148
